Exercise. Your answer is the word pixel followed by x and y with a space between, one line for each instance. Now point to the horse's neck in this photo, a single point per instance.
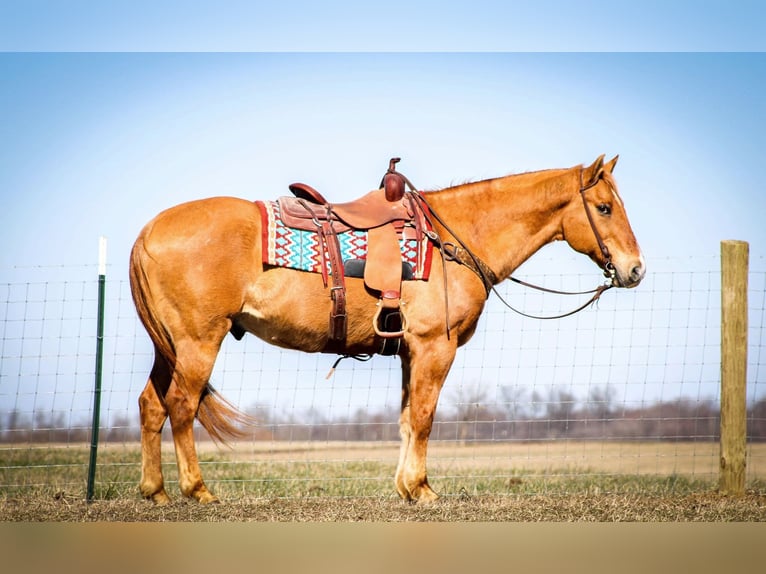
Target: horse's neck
pixel 504 221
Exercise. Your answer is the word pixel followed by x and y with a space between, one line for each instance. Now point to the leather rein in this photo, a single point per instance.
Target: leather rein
pixel 462 254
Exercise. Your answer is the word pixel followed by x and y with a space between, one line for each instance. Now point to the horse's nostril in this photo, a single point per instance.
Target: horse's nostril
pixel 637 272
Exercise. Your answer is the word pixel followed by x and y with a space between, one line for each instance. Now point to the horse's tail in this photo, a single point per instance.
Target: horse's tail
pixel 219 418
pixel 142 298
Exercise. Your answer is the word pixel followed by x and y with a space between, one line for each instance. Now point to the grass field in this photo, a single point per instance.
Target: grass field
pixel 273 481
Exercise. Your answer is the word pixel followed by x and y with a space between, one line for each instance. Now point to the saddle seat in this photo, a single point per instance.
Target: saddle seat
pixel 367 212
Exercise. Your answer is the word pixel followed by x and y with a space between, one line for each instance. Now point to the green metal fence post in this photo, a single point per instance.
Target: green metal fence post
pixel 99 366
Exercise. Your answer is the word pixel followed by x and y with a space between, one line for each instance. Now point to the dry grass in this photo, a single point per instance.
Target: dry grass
pixel 352 482
pixel 702 507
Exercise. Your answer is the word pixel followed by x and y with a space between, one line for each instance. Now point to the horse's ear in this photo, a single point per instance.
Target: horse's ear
pixel 609 166
pixel 591 173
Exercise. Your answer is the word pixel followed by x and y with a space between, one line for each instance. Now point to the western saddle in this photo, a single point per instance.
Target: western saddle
pixel 386 214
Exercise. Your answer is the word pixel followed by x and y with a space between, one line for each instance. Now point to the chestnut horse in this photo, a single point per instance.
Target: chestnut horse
pixel 196 273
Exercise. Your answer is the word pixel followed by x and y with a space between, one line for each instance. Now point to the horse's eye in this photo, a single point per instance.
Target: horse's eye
pixel 604 209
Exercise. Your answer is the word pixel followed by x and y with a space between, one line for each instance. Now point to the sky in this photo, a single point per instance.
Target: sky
pixel 112 112
pixel 97 144
pixel 396 25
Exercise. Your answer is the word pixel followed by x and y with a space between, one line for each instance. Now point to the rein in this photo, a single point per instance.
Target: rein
pixel 462 254
pixel 596 295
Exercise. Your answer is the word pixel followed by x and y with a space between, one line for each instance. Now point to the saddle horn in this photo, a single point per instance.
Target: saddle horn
pixel 393 182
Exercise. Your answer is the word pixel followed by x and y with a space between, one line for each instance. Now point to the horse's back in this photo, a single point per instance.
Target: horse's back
pixel 200 218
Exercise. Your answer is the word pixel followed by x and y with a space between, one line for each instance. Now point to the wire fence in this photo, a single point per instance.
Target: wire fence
pixel 629 387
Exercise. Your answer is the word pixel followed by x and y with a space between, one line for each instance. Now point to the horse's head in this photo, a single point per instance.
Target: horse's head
pixel 595 223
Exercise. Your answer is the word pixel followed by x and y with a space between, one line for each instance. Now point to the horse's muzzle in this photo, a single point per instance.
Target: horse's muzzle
pixel 632 276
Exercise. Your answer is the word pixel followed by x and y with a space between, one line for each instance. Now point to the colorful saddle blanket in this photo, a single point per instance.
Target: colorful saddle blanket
pixel 284 246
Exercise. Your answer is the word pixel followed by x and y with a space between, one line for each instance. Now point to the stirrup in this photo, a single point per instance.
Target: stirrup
pixel 388 334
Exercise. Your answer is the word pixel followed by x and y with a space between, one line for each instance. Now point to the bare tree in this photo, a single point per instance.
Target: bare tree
pixel 516 401
pixel 600 402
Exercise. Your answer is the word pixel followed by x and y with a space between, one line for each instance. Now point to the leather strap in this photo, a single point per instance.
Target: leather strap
pixel 338 318
pixel 609 270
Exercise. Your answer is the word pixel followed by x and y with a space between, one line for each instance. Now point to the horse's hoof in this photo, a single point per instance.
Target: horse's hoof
pixel 426 499
pixel 419 495
pixel 160 498
pixel 206 497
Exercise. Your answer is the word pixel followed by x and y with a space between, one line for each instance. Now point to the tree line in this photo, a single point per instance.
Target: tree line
pixel 558 415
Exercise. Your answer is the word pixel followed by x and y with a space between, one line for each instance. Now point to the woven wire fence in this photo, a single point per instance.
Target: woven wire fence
pixel 625 390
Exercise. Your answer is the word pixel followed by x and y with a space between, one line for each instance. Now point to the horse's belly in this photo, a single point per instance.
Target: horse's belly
pixel 291 309
pixel 282 331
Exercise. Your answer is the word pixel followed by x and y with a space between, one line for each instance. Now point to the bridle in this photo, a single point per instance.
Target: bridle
pixel 462 254
pixel 609 270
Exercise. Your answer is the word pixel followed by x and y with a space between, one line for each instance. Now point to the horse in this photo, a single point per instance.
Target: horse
pixel 196 274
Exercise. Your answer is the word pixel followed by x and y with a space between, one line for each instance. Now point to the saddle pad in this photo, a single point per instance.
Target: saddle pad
pixel 284 246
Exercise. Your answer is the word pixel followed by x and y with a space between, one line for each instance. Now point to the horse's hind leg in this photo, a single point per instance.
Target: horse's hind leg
pixel 424 370
pixel 193 368
pixel 153 414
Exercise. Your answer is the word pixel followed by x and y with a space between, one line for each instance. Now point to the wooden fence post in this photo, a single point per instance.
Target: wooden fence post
pixel 734 274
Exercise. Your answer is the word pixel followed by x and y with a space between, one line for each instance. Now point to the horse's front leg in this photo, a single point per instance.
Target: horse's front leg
pixel 424 369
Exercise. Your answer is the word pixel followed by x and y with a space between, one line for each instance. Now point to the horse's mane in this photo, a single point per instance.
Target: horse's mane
pixel 467 182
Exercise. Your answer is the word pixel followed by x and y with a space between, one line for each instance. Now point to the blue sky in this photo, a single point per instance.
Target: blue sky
pixel 96 144
pixel 396 25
